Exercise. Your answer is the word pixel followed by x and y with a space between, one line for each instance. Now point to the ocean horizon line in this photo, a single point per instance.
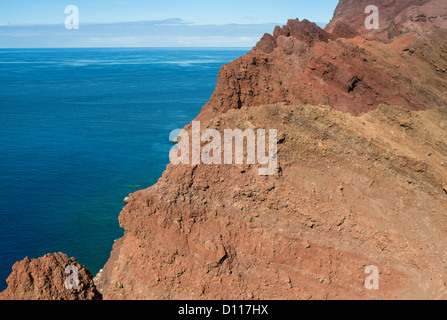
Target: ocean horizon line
pixel 143 47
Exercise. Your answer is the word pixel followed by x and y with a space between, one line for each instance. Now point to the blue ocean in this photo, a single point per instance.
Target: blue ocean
pixel 80 129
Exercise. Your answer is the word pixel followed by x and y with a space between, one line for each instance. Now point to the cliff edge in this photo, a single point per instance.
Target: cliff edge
pixel 361 180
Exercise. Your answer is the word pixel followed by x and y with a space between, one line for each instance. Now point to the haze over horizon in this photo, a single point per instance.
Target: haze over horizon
pixel 138 23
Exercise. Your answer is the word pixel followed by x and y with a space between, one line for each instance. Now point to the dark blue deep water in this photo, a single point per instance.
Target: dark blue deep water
pixel 80 129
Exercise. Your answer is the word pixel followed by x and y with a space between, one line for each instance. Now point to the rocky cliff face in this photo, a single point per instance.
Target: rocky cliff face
pixel 362 177
pixel 395 17
pixel 304 64
pixel 350 192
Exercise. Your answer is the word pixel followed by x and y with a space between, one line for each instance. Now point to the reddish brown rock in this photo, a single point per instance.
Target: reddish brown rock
pixel 343 30
pixel 303 64
pixel 267 44
pixel 353 189
pixel 396 17
pixel 350 192
pixel 44 278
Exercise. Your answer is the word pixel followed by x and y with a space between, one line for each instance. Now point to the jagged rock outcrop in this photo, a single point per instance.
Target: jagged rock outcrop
pixel 44 278
pixel 304 64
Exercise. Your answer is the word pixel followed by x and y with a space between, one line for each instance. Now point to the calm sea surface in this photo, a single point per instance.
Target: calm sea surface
pixel 80 129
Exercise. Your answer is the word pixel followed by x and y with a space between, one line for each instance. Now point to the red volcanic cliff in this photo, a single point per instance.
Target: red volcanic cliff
pixel 304 64
pixel 349 192
pixel 395 17
pixel 362 177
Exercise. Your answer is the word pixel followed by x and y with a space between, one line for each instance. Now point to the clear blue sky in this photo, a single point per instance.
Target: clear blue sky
pixel 191 14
